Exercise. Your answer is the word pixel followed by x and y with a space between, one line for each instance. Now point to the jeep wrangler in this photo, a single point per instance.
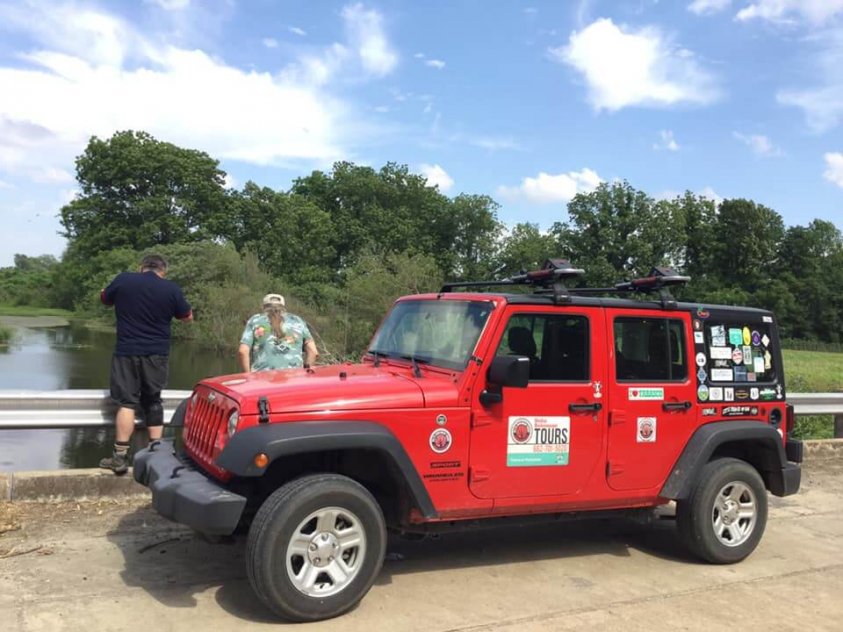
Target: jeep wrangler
pixel 472 407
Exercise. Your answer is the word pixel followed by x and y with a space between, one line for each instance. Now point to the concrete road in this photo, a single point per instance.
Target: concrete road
pixel 117 566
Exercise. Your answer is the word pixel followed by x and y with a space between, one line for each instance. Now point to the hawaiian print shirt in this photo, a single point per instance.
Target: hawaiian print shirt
pixel 270 353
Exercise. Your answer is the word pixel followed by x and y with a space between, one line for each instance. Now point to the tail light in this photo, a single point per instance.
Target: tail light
pixel 790 419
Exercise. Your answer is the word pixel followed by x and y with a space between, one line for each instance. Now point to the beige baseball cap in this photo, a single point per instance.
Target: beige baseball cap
pixel 273 299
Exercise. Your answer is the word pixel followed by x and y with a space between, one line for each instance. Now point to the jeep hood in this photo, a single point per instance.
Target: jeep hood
pixel 335 388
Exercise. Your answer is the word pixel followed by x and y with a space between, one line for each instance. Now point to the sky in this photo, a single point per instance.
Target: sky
pixel 529 102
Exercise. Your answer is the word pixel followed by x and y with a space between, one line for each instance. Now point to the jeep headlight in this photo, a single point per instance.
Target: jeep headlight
pixel 233 418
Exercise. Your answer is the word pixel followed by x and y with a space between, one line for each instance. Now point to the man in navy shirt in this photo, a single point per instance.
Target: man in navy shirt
pixel 145 303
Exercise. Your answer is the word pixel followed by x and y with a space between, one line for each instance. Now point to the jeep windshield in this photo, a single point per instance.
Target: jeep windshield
pixel 440 333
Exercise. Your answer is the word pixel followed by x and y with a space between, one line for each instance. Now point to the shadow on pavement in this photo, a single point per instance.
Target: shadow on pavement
pixel 174 565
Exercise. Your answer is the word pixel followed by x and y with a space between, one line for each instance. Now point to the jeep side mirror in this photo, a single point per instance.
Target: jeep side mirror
pixel 510 371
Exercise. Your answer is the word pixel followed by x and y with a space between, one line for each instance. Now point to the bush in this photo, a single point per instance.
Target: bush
pixel 814 427
pixel 5 335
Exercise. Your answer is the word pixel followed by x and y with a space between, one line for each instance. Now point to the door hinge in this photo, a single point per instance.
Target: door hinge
pixel 476 475
pixel 617 417
pixel 613 468
pixel 478 421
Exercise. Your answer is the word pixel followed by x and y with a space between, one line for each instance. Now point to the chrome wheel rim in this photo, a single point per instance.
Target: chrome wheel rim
pixel 735 514
pixel 326 552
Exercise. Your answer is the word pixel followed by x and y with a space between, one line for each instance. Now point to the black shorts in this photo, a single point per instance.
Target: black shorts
pixel 137 382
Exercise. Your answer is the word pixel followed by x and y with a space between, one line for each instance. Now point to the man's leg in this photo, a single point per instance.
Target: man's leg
pixel 154 373
pixel 125 391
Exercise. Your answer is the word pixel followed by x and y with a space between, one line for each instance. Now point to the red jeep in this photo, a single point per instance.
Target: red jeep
pixel 472 407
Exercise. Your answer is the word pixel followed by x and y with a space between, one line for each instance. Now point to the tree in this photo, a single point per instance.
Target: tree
pixel 524 248
pixel 138 192
pixel 291 237
pixel 618 232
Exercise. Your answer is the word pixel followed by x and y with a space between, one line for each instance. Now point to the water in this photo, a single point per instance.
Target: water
pixel 78 357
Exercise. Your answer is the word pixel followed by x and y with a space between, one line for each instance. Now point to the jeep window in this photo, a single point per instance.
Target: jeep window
pixel 650 349
pixel 557 345
pixel 739 352
pixel 442 333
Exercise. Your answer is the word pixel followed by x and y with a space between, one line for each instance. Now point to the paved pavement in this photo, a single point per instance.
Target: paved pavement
pixel 114 565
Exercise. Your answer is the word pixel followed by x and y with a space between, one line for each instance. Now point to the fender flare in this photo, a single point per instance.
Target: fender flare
pixel 763 438
pixel 177 420
pixel 283 439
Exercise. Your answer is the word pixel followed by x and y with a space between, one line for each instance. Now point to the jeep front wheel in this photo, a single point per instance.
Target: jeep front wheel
pixel 315 547
pixel 724 516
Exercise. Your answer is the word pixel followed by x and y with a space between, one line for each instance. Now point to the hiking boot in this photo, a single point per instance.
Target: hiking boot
pixel 116 463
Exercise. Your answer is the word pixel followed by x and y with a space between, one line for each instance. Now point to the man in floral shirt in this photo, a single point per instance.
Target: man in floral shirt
pixel 276 339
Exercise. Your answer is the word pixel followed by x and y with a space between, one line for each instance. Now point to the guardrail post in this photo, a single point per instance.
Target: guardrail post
pixel 838 426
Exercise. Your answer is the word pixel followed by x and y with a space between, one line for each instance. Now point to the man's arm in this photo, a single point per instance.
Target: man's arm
pixel 183 311
pixel 107 294
pixel 243 353
pixel 310 352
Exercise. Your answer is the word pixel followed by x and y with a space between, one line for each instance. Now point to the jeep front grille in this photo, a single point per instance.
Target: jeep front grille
pixel 205 427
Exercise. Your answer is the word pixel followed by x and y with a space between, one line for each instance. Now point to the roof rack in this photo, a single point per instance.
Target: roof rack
pixel 552 275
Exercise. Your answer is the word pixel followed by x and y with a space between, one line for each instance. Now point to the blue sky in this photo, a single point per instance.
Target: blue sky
pixel 529 102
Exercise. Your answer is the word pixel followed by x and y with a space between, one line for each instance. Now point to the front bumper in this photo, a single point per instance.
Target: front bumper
pixel 182 493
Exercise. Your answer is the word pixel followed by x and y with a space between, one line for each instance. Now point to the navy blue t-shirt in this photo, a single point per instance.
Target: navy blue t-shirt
pixel 145 304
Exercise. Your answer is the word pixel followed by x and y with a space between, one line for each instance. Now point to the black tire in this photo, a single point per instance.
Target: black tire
pixel 696 515
pixel 279 519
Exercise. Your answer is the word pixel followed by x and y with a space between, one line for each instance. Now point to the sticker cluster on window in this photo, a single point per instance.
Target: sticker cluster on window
pixel 731 357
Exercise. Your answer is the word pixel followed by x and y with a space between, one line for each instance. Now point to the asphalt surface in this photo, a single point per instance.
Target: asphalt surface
pixel 115 565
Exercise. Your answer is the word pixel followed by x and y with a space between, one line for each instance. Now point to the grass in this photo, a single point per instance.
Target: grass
pixel 5 335
pixel 813 372
pixel 24 310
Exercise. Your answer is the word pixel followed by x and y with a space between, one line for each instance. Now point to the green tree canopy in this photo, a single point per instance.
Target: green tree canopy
pixel 138 192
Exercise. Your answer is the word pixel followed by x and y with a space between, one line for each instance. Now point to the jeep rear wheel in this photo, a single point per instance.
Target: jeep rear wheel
pixel 724 517
pixel 315 547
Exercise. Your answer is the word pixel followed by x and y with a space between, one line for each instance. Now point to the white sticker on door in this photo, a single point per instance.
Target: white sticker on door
pixel 537 441
pixel 646 430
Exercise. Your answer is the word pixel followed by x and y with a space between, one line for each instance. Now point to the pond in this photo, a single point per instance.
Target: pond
pixel 70 357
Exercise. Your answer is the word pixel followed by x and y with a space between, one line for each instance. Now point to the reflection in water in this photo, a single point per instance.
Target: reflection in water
pixel 76 357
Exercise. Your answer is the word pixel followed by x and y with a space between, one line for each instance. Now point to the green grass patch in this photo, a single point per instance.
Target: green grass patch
pixel 814 427
pixel 813 371
pixel 23 310
pixel 5 335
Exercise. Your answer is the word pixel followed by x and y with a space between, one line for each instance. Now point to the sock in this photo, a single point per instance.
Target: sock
pixel 121 448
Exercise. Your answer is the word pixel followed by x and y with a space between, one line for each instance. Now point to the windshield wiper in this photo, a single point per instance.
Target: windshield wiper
pixel 415 361
pixel 377 355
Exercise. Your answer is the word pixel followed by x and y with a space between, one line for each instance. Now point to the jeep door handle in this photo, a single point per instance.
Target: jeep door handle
pixel 668 406
pixel 585 408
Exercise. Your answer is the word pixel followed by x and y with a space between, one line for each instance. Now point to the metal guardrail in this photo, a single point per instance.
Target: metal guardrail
pixel 94 409
pixel 68 409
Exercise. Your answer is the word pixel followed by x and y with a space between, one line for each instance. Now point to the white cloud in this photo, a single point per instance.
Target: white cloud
pixel 531 10
pixel 437 176
pixel 230 182
pixel 5 185
pixel 92 73
pixel 666 141
pixel 705 7
pixel 365 31
pixel 435 63
pixel 784 11
pixel 419 55
pixel 170 5
pixel 761 145
pixel 823 107
pixel 295 30
pixel 711 194
pixel 624 67
pixel 834 168
pixel 549 189
pixel 270 42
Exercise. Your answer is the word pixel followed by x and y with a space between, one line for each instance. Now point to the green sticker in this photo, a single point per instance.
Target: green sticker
pixel 736 337
pixel 653 394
